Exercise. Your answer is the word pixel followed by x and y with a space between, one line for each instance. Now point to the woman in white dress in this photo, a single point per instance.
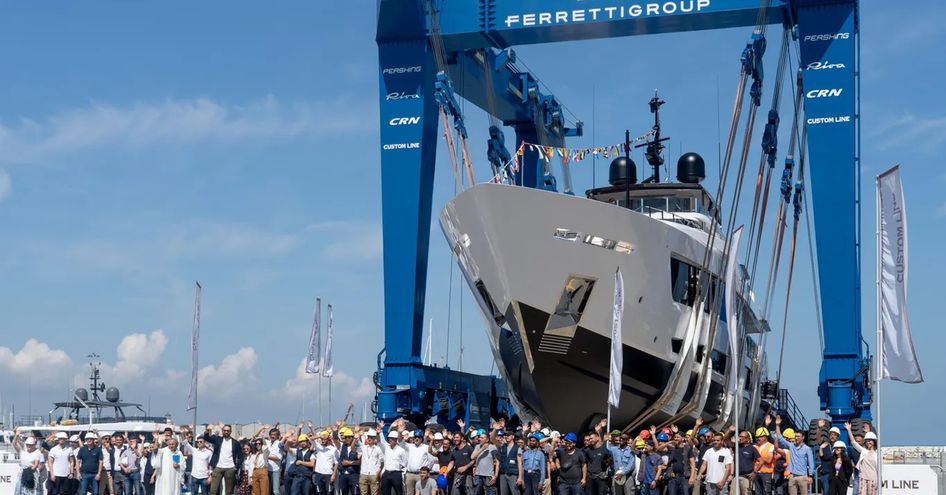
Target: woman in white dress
pixel 169 470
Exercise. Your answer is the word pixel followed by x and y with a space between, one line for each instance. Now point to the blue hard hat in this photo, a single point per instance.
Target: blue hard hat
pixel 441 482
pixel 704 430
pixel 571 437
pixel 662 437
pixel 538 436
pixel 500 433
pixel 418 433
pixel 480 432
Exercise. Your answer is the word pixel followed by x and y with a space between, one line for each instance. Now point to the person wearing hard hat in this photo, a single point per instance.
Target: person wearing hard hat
pixel 572 467
pixel 867 460
pixel 841 470
pixel 31 464
pixel 765 464
pixel 395 461
pixel 825 455
pixel 418 455
pixel 325 454
pixel 533 466
pixel 748 456
pixel 801 460
pixel 486 465
pixel 372 462
pixel 61 466
pixel 89 460
pixel 349 458
pixel 301 468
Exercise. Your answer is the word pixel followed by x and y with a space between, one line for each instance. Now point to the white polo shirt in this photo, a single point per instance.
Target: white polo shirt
pixel 324 458
pixel 274 449
pixel 371 459
pixel 28 458
pixel 200 463
pixel 60 457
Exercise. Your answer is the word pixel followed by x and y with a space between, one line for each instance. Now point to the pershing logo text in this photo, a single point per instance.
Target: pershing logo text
pixel 827 37
pixel 606 13
pixel 401 70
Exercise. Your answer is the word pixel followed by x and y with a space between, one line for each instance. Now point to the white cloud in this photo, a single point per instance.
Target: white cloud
pixel 351 389
pixel 137 353
pixel 233 377
pixel 5 185
pixel 142 124
pixel 927 134
pixel 350 240
pixel 37 364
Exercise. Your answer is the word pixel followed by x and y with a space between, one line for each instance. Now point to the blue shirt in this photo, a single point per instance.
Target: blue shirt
pixel 534 460
pixel 650 468
pixel 624 460
pixel 802 460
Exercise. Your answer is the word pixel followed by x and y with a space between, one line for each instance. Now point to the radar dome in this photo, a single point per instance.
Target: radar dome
pixel 82 394
pixel 623 171
pixel 691 169
pixel 111 394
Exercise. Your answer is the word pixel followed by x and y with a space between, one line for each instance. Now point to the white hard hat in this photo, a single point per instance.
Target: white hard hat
pixel 90 435
pixel 839 445
pixel 405 434
pixel 555 434
pixel 438 436
pixel 146 444
pixel 61 434
pixel 835 429
pixel 546 432
pixel 74 438
pixel 31 441
pixel 870 436
pixel 393 434
pixel 372 433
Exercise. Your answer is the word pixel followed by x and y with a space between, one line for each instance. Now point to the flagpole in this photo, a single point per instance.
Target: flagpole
pixel 319 401
pixel 196 356
pixel 878 350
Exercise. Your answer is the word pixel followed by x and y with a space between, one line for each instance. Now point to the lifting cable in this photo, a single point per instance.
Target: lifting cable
pixel 770 148
pixel 798 203
pixel 750 66
pixel 440 56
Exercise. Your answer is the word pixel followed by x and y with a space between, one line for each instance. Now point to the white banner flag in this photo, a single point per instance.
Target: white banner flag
pixel 897 355
pixel 328 368
pixel 315 341
pixel 617 342
pixel 195 344
pixel 732 308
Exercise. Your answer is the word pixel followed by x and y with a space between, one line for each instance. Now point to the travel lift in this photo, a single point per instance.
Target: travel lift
pixel 425 46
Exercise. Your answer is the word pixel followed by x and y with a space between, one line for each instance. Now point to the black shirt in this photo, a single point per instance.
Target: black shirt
pixel 89 459
pixel 680 460
pixel 444 457
pixel 598 459
pixel 747 457
pixel 461 457
pixel 571 464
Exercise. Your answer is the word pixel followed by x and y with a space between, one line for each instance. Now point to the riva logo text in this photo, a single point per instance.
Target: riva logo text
pixel 824 65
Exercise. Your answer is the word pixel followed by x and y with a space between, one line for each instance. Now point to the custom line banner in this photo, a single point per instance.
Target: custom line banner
pixel 897 355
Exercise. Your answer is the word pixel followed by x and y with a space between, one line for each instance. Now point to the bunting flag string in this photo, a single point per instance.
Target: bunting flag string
pixel 547 153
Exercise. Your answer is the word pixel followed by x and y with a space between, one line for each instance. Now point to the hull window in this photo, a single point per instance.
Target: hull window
pixel 571 304
pixel 684 278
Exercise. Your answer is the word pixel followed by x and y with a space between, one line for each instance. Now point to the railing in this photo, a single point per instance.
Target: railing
pixel 785 405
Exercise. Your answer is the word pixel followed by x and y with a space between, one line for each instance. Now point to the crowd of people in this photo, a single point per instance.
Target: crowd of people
pixel 403 459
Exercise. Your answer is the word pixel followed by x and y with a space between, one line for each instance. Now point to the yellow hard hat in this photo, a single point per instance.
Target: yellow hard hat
pixel 761 432
pixel 324 434
pixel 640 444
pixel 689 433
pixel 303 438
pixel 346 432
pixel 789 434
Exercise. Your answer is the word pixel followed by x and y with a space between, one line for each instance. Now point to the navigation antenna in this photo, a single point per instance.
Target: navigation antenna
pixel 654 148
pixel 94 378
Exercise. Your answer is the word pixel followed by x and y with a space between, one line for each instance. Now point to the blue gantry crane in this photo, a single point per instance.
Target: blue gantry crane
pixel 423 45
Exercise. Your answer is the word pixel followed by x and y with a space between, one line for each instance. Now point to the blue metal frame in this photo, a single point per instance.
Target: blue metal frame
pixel 476 36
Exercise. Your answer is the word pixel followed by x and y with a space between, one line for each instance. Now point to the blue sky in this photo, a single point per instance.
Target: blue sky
pixel 143 146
